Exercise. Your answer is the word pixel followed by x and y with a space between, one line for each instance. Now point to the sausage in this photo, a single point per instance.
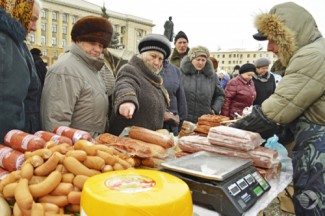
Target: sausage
pixel 10 159
pixel 86 146
pixel 60 201
pixel 48 166
pixel 37 209
pixel 79 181
pixel 94 162
pixel 23 195
pixel 67 177
pixel 80 155
pixel 74 197
pixel 49 136
pixel 45 187
pixel 3 173
pixel 151 136
pixel 9 190
pixel 35 160
pixel 44 153
pixel 62 189
pixel 22 141
pixel 77 168
pixel 27 171
pixel 74 134
pixel 10 178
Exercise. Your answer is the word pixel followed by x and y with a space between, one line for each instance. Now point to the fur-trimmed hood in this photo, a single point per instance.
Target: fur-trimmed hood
pixel 290 26
pixel 188 68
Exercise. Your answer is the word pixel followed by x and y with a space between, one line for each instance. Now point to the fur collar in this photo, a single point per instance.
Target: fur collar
pixel 188 68
pixel 11 27
pixel 290 26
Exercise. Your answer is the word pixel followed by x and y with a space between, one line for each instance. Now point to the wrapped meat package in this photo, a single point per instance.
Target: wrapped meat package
pixel 234 138
pixel 261 156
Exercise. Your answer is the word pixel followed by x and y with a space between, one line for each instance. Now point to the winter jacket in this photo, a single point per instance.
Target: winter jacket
pixel 74 93
pixel 264 86
pixel 18 80
pixel 240 93
pixel 175 58
pixel 173 82
pixel 137 84
pixel 202 90
pixel 301 91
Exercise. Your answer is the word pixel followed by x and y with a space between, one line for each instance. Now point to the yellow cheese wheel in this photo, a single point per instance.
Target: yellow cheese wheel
pixel 136 192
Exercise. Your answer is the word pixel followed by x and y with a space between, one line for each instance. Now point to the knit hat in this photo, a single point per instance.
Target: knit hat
pixel 179 35
pixel 248 67
pixel 261 62
pixel 198 51
pixel 155 42
pixel 92 29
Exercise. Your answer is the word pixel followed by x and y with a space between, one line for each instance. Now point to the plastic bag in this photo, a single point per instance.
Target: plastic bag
pixel 273 143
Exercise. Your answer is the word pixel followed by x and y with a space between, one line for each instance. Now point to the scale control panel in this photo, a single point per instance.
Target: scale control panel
pixel 246 189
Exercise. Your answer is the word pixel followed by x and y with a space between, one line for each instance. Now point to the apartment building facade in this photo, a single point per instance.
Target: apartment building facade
pixel 229 59
pixel 58 16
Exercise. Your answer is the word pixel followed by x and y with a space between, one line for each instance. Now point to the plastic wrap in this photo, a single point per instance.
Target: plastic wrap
pixel 234 138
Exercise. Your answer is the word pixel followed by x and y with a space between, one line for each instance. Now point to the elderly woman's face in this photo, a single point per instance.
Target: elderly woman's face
pixel 94 49
pixel 153 58
pixel 199 62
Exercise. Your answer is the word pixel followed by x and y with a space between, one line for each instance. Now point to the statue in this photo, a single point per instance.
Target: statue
pixel 169 29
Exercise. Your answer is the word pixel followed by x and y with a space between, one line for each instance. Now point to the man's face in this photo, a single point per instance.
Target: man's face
pixel 181 45
pixel 33 20
pixel 273 47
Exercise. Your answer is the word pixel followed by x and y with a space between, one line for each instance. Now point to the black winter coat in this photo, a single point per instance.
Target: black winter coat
pixel 202 89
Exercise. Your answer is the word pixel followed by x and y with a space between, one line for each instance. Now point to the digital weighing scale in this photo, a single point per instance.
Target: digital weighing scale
pixel 227 185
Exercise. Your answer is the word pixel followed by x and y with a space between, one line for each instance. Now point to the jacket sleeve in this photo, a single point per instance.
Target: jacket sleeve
pixel 218 96
pixel 181 99
pixel 302 85
pixel 59 96
pixel 126 88
pixel 230 91
pixel 13 89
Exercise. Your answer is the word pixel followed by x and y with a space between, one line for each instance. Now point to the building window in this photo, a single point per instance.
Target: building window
pixel 53 41
pixel 64 42
pixel 229 62
pixel 222 62
pixel 43 40
pixel 64 30
pixel 43 26
pixel 64 17
pixel 229 55
pixel 74 19
pixel 254 55
pixel 123 29
pixel 43 14
pixel 54 15
pixel 32 38
pixel 44 52
pixel 248 55
pixel 223 56
pixel 55 53
pixel 54 28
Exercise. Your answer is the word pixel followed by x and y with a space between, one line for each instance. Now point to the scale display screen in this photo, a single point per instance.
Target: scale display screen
pixel 234 190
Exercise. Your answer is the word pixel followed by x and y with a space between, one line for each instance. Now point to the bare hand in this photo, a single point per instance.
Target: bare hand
pixel 127 110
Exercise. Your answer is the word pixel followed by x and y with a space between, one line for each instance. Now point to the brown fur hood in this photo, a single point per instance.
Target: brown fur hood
pixel 290 26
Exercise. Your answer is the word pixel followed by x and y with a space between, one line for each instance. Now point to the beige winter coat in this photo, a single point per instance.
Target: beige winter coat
pixel 74 94
pixel 302 51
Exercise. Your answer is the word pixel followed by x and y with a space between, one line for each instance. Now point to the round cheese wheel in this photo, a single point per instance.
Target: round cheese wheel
pixel 135 192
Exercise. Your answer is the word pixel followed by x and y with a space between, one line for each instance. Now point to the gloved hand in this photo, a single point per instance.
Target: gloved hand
pixel 257 122
pixel 171 119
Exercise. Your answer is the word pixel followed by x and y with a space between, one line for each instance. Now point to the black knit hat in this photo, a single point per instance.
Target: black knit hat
pixel 248 67
pixel 92 29
pixel 155 42
pixel 180 34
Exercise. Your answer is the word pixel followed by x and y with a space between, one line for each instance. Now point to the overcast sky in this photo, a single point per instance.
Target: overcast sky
pixel 227 24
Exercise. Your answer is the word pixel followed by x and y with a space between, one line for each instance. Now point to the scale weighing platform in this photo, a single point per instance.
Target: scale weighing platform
pixel 227 185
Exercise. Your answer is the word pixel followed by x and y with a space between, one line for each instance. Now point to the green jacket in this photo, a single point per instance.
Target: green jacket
pixel 301 92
